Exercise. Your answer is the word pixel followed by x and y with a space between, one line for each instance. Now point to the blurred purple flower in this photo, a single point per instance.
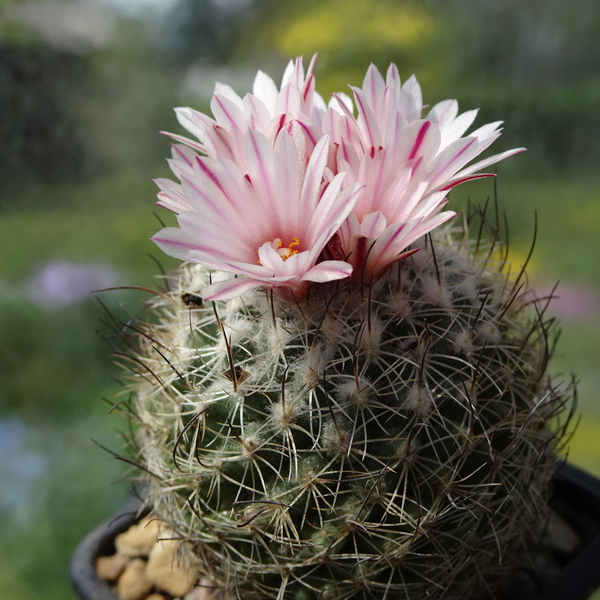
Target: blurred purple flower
pixel 62 282
pixel 572 302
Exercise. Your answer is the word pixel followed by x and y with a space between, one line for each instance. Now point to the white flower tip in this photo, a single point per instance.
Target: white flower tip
pixel 311 64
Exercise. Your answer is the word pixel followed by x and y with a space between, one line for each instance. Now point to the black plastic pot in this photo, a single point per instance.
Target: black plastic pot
pixel 576 496
pixel 100 542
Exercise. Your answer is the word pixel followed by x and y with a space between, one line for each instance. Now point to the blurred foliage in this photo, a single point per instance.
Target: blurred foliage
pixel 127 99
pixel 527 41
pixel 52 357
pixel 77 119
pixel 110 217
pixel 348 35
pixel 318 29
pixel 532 63
pixel 201 30
pixel 40 140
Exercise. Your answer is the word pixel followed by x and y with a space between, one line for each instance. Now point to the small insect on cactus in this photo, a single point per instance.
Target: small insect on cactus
pixel 335 397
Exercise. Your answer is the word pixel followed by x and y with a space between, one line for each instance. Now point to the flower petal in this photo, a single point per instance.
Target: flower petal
pixel 228 289
pixel 171 196
pixel 264 89
pixel 483 164
pixel 328 270
pixel 277 176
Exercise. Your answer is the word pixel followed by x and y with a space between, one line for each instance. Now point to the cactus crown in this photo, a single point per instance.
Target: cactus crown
pixel 383 439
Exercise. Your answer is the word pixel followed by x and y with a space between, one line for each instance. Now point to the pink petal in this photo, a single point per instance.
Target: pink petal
pixel 230 288
pixel 269 258
pixel 328 270
pixel 453 158
pixel 289 101
pixel 454 182
pixel 259 160
pixel 213 236
pixel 393 83
pixel 489 130
pixel 421 133
pixel 259 115
pixel 410 103
pixel 373 225
pixel 191 143
pixel 259 272
pixel 341 103
pixel 184 158
pixel 289 161
pixel 373 88
pixel 227 113
pixel 195 122
pixel 291 72
pixel 424 226
pixel 314 175
pixel 206 194
pixel 390 242
pixel 222 89
pixel 171 196
pixel 366 119
pixel 174 242
pixel 486 162
pixel 414 199
pixel 443 112
pixel 333 209
pixel 219 142
pixel 454 128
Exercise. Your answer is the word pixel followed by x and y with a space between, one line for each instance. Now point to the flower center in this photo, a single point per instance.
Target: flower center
pixel 288 251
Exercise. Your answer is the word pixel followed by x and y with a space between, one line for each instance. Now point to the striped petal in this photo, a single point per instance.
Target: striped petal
pixel 277 180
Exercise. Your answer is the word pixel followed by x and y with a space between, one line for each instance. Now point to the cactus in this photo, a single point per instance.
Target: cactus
pixel 386 435
pixel 390 439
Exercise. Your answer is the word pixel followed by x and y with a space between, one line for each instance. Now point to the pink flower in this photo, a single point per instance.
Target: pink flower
pixel 267 110
pixel 267 221
pixel 278 180
pixel 406 163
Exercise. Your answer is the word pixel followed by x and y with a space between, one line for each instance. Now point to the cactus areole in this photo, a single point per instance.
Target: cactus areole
pixel 335 397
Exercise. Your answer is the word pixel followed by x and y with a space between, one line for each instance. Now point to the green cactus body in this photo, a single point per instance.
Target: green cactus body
pixel 385 440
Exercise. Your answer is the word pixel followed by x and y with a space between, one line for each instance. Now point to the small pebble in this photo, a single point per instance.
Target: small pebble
pixel 132 584
pixel 110 568
pixel 168 570
pixel 138 539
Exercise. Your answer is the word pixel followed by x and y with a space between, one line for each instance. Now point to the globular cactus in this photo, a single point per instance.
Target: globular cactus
pixel 388 440
pixel 315 436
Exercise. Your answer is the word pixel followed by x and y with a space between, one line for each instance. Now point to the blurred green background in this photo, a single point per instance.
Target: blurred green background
pixel 85 87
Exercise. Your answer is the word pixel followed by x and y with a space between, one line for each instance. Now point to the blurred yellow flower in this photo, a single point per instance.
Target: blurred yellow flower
pixel 330 25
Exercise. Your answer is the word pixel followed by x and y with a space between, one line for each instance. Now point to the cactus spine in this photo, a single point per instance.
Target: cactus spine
pixel 386 439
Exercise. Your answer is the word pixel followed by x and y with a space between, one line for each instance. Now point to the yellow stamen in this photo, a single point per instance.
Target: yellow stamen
pixel 285 253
